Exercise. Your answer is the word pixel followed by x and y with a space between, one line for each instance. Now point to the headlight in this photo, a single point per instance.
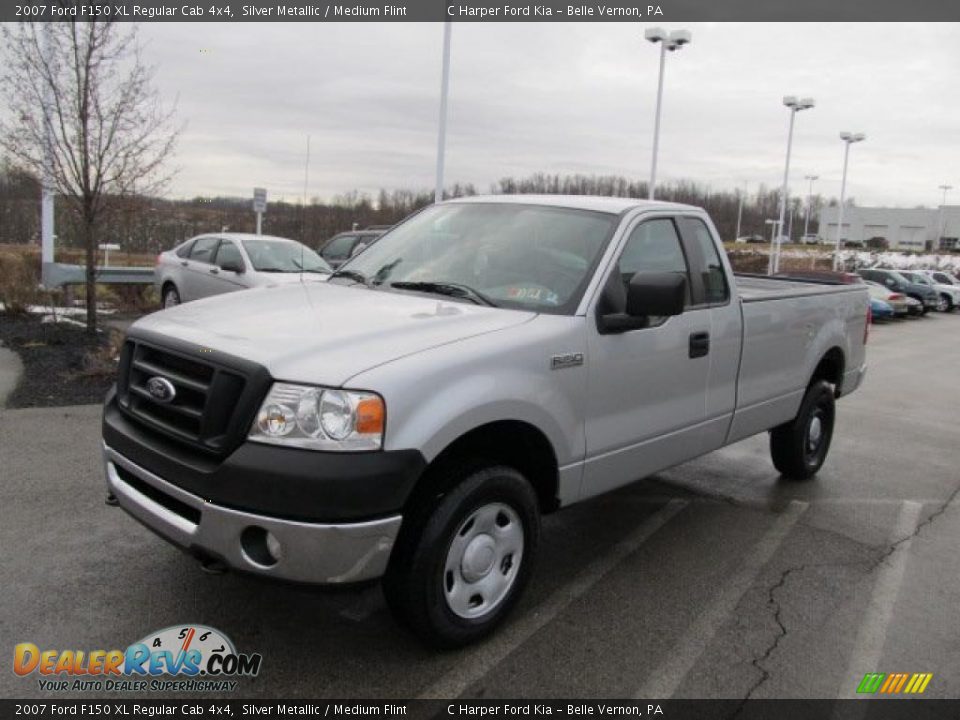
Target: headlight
pixel 320 419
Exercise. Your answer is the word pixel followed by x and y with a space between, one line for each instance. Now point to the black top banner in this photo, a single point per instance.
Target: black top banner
pixel 200 707
pixel 477 11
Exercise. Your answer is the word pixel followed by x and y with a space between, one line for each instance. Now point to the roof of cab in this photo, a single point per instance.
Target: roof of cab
pixel 577 202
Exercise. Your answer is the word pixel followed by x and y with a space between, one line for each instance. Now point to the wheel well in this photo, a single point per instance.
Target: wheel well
pixel 830 368
pixel 509 442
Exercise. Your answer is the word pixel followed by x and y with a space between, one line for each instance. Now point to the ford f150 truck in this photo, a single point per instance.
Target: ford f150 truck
pixel 487 361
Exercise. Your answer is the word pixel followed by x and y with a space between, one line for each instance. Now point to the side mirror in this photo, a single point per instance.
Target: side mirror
pixel 232 266
pixel 649 295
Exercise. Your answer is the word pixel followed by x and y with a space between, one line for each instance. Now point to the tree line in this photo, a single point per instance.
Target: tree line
pixel 142 224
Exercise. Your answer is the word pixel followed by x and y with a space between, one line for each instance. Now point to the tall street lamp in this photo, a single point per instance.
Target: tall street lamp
pixel 795 105
pixel 442 126
pixel 740 210
pixel 806 218
pixel 940 223
pixel 668 41
pixel 848 139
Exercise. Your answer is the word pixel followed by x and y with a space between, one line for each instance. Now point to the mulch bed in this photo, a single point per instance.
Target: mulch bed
pixel 57 367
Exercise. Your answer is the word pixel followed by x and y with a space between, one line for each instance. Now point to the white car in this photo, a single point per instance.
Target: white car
pixel 949 293
pixel 225 262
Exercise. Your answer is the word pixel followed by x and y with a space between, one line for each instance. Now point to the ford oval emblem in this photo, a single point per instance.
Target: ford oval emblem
pixel 161 389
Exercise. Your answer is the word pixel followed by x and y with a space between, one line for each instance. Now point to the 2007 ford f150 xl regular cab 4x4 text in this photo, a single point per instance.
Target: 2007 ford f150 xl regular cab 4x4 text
pixel 487 361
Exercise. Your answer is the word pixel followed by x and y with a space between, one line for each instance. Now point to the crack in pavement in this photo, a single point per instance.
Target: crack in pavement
pixel 774 603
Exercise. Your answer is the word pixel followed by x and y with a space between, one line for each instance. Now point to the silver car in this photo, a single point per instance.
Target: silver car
pixel 224 262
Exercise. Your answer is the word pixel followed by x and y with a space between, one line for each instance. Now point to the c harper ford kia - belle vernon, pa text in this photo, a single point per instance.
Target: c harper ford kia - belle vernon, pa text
pixel 487 361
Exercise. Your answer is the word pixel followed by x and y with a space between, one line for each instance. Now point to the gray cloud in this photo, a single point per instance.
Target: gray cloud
pixel 559 98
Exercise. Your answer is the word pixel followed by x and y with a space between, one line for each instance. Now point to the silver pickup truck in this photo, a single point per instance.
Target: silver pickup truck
pixel 487 361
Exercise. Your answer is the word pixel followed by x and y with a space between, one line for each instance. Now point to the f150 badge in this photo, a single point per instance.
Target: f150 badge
pixel 559 362
pixel 161 389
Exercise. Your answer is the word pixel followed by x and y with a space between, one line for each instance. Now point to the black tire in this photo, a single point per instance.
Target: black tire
pixel 923 306
pixel 171 296
pixel 798 450
pixel 945 304
pixel 418 582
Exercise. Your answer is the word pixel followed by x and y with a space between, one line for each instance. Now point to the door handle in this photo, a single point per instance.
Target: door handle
pixel 215 271
pixel 699 344
pixel 184 263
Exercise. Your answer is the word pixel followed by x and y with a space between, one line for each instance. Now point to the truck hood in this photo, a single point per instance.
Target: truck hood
pixel 323 333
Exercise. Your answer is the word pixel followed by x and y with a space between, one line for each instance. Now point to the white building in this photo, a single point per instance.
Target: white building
pixel 903 228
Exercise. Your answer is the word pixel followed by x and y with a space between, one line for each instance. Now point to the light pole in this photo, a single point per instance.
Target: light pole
pixel 442 128
pixel 795 105
pixel 668 41
pixel 941 229
pixel 848 139
pixel 806 218
pixel 740 211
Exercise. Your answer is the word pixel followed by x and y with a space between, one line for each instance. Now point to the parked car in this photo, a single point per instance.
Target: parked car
pixel 880 310
pixel 343 246
pixel 225 262
pixel 943 277
pixel 489 360
pixel 897 302
pixel 949 293
pixel 892 279
pixel 752 239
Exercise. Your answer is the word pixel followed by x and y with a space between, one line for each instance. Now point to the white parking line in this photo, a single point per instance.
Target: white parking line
pixel 872 634
pixel 663 682
pixel 473 664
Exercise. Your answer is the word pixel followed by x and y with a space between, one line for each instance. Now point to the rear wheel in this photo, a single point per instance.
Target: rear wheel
pixel 458 570
pixel 171 296
pixel 798 448
pixel 923 305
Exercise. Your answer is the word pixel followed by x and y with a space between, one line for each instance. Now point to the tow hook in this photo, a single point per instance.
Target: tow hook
pixel 111 500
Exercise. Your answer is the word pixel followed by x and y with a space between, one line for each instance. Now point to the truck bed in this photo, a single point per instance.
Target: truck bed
pixel 758 288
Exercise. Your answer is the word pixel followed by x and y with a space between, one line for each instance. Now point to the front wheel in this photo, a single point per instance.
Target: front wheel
pixel 944 304
pixel 798 448
pixel 457 572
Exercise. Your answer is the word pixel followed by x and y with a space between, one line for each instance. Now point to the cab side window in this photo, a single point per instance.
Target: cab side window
pixel 203 249
pixel 653 246
pixel 715 288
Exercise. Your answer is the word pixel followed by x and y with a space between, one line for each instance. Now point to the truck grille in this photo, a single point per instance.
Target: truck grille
pixel 203 411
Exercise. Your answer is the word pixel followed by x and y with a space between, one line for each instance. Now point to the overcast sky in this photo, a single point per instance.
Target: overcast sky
pixel 560 98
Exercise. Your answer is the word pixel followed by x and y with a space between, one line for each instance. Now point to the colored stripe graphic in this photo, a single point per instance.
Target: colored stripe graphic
pixel 894 683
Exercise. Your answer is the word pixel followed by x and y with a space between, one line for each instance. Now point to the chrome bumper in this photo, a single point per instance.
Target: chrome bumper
pixel 284 549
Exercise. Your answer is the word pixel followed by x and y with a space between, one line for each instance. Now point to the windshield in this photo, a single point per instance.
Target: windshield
pixel 520 256
pixel 284 257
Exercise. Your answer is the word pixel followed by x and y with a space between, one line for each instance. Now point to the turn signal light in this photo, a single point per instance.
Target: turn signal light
pixel 370 416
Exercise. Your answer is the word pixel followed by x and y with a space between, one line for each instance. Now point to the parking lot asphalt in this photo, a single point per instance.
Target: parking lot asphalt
pixel 715 579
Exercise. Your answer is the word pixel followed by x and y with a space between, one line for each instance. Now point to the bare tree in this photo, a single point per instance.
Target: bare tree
pixel 86 86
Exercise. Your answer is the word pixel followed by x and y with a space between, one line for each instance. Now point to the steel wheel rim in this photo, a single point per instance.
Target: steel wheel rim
pixel 483 560
pixel 169 300
pixel 942 304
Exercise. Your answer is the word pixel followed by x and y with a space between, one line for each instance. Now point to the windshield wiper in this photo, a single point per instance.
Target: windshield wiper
pixel 351 274
pixel 450 289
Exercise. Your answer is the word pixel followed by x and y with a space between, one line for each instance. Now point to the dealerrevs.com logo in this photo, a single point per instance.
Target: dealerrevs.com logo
pixel 201 658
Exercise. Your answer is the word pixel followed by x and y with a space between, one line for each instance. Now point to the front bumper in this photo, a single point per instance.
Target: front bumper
pixel 298 551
